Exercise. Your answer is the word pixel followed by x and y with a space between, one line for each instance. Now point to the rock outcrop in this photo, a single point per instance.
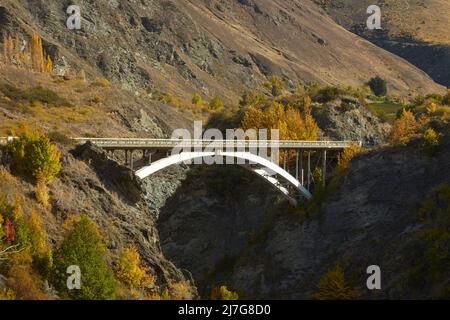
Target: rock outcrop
pixel 348 120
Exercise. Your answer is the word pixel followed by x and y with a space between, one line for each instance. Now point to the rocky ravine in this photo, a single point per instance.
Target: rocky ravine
pixel 257 246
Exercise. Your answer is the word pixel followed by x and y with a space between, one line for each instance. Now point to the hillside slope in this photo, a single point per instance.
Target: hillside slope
pixel 216 47
pixel 416 30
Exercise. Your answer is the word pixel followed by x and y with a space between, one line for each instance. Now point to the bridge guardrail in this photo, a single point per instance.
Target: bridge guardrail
pixel 203 143
pixel 172 143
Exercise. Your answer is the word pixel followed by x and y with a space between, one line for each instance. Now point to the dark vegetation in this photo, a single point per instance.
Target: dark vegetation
pixel 31 95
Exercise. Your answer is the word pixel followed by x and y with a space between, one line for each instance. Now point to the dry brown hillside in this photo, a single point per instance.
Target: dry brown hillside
pixel 213 46
pixel 417 30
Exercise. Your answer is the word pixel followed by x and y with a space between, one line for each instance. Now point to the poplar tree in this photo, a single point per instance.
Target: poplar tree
pixel 49 65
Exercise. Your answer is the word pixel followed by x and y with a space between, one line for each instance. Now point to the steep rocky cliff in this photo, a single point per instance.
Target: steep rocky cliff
pixel 265 250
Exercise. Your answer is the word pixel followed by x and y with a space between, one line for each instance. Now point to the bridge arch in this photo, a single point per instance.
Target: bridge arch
pixel 265 170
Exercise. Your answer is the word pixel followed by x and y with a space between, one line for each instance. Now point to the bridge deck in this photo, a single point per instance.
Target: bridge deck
pixel 136 143
pixel 247 144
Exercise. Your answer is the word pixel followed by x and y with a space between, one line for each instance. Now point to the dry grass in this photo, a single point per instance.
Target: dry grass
pixel 74 107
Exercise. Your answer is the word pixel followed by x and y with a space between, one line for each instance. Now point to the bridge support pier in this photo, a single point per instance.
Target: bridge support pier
pixel 131 159
pixel 309 170
pixel 324 169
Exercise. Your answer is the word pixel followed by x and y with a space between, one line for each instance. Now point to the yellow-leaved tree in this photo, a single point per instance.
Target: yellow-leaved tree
pixel 131 272
pixel 404 127
pixel 33 154
pixel 334 286
pixel 30 56
pixel 293 124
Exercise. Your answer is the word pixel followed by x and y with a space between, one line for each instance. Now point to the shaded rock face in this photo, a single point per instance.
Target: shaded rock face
pixel 211 219
pixel 370 219
pixel 122 178
pixel 432 58
pixel 349 120
pixel 217 47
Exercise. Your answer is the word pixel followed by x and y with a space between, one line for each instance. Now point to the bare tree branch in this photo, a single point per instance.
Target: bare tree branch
pixel 9 250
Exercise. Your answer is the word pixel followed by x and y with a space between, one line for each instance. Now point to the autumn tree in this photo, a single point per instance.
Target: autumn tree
pixel 84 247
pixel 404 127
pixel 22 234
pixel 29 56
pixel 131 272
pixel 334 286
pixel 40 248
pixel 346 156
pixel 49 65
pixel 447 98
pixel 431 141
pixel 2 230
pixel 222 293
pixel 35 155
pixel 197 99
pixel 216 104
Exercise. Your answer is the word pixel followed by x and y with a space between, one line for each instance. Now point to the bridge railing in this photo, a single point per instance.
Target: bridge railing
pixel 203 143
pixel 6 140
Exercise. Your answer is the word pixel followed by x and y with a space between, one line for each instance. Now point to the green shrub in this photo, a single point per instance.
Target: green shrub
pixel 447 98
pixel 378 86
pixel 327 94
pixel 84 247
pixel 435 97
pixel 275 85
pixel 61 138
pixel 34 154
pixel 38 93
pixel 252 99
